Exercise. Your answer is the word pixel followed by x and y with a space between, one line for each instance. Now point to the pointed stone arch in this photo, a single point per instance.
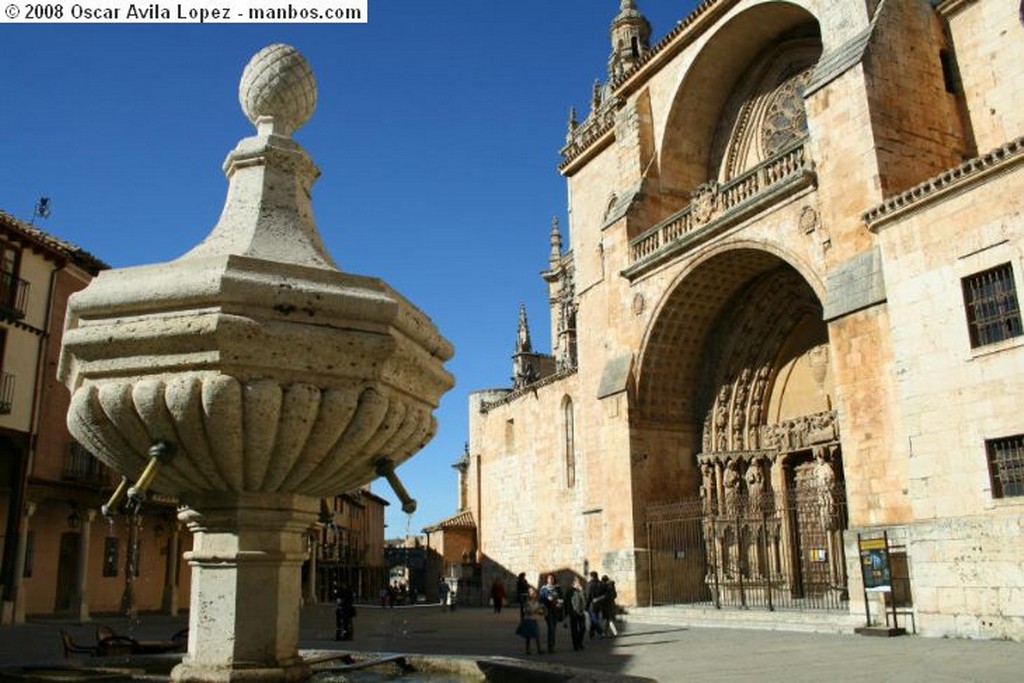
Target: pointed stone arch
pixel 688 152
pixel 733 402
pixel 731 345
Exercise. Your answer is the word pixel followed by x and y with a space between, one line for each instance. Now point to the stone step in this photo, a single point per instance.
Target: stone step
pixel 823 621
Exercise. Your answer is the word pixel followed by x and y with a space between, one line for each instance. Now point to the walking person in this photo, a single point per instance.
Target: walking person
pixel 443 589
pixel 609 610
pixel 344 613
pixel 551 600
pixel 497 594
pixel 577 613
pixel 528 628
pixel 594 593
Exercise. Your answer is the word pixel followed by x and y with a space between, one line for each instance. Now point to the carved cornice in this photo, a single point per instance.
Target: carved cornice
pixel 512 396
pixel 947 8
pixel 598 128
pixel 949 182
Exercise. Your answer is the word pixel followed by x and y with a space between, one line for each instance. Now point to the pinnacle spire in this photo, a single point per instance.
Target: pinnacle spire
pixel 556 243
pixel 523 344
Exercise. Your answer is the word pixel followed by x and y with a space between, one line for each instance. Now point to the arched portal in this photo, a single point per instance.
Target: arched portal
pixel 735 384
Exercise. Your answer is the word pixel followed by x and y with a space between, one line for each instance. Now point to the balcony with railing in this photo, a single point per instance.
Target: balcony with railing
pixel 6 392
pixel 714 208
pixel 82 467
pixel 13 295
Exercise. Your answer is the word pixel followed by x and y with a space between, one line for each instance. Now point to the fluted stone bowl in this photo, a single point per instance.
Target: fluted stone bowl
pixel 269 378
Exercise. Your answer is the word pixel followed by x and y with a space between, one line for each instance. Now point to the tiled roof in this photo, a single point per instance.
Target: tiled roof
pixel 30 234
pixel 460 520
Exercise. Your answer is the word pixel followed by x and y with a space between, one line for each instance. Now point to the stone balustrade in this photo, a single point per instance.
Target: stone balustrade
pixel 714 207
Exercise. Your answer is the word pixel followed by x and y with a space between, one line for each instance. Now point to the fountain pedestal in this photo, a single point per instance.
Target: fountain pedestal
pixel 246 587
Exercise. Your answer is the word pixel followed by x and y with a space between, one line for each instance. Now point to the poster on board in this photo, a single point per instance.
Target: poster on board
pixel 874 564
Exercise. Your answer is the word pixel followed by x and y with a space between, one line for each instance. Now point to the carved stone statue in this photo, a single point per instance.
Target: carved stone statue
pixel 722 417
pixel 707 487
pixel 756 484
pixel 731 486
pixel 825 489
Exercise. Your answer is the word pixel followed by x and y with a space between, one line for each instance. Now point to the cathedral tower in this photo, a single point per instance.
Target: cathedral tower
pixel 631 39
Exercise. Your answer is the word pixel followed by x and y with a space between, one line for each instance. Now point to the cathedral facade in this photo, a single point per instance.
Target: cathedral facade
pixel 785 322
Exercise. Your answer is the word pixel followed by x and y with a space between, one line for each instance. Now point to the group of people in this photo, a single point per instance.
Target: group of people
pixel 396 593
pixel 589 608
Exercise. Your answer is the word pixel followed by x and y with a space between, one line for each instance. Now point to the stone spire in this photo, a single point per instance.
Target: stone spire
pixel 524 360
pixel 631 39
pixel 523 336
pixel 556 243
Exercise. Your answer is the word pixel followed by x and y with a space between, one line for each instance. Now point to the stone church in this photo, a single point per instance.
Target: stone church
pixel 787 362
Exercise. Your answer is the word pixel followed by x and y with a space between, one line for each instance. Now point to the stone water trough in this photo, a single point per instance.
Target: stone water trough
pixel 274 377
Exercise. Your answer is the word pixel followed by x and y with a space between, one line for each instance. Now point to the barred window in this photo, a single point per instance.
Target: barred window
pixel 990 298
pixel 1006 466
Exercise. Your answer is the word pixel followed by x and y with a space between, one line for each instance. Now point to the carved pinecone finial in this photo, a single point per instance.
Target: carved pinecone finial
pixel 278 84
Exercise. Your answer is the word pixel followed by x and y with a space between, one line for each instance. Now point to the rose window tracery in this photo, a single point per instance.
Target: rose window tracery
pixel 785 119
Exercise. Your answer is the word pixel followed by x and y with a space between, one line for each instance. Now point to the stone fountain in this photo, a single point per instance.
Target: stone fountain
pixel 265 378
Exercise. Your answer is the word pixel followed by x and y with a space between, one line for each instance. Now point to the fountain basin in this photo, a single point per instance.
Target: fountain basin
pixel 268 377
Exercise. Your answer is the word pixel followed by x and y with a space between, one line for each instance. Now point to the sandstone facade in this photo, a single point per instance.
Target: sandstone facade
pixel 788 222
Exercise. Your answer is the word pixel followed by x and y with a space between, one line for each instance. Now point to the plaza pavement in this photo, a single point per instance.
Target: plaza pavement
pixel 660 652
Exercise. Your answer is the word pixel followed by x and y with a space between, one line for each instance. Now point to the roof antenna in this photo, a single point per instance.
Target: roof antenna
pixel 42 209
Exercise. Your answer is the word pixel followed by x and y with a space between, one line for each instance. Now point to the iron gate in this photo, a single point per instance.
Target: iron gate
pixel 773 552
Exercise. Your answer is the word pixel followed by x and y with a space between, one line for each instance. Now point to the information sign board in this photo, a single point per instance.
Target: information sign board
pixel 874 564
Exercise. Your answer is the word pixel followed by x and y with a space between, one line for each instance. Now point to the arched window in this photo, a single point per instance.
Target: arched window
pixel 570 442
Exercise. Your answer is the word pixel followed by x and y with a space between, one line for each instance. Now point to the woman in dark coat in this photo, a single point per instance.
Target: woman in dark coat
pixel 609 610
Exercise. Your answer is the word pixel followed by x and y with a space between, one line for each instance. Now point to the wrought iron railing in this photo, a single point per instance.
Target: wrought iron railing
pixel 7 381
pixel 713 205
pixel 13 295
pixel 782 552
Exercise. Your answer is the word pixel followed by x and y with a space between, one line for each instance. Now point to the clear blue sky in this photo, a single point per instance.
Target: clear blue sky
pixel 437 134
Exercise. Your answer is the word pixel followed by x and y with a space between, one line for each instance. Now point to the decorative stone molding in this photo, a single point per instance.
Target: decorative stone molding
pixel 256 436
pixel 597 127
pixel 512 396
pixel 808 220
pixel 704 202
pixel 972 171
pixel 801 433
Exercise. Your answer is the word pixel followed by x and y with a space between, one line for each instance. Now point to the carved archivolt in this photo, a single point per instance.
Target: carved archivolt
pixel 766 113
